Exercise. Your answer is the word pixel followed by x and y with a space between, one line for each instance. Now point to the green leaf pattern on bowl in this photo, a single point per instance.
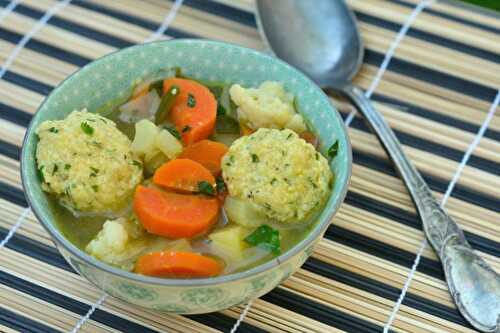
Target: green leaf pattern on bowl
pixel 203 296
pixel 136 292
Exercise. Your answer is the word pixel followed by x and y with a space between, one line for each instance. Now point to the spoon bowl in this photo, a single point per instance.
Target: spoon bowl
pixel 330 51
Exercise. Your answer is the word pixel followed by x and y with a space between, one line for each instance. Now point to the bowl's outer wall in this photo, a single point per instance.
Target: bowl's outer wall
pixel 183 300
pixel 110 77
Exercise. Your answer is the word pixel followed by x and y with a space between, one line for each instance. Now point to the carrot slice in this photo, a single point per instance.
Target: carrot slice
pixel 174 215
pixel 207 153
pixel 194 111
pixel 182 175
pixel 178 265
pixel 310 138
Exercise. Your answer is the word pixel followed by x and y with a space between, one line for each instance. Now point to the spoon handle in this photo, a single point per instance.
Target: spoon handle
pixel 474 286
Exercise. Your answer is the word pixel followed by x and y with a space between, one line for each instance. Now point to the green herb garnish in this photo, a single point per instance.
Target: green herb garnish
pixel 274 181
pixel 295 104
pixel 312 183
pixel 221 111
pixel 86 128
pixel 157 86
pixel 255 158
pixel 333 150
pixel 95 188
pixel 167 101
pixel 95 170
pixel 191 101
pixel 265 237
pixel 67 166
pixel 220 185
pixel 53 130
pixel 186 128
pixel 137 163
pixel 174 132
pixel 54 170
pixel 206 188
pixel 39 171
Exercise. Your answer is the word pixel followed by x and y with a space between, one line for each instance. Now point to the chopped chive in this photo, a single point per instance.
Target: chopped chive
pixel 289 136
pixel 317 156
pixel 191 101
pixel 95 170
pixel 86 128
pixel 95 188
pixel 157 86
pixel 54 170
pixel 167 101
pixel 174 132
pixel 274 181
pixel 53 130
pixel 137 163
pixel 67 166
pixel 186 129
pixel 255 158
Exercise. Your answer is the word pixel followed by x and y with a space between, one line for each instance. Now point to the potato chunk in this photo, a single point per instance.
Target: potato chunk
pixel 229 241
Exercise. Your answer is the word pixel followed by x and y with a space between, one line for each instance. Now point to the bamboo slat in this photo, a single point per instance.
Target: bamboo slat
pixel 435 94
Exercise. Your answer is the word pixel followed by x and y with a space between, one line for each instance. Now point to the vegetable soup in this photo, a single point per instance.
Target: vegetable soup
pixel 185 178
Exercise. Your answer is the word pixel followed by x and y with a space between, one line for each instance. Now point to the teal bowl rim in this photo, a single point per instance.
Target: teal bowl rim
pixel 316 233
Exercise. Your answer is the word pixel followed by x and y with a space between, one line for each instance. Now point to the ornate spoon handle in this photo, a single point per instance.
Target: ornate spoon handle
pixel 474 286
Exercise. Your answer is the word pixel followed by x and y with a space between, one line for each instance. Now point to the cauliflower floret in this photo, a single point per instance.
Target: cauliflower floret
pixel 110 242
pixel 87 163
pixel 267 106
pixel 120 242
pixel 281 174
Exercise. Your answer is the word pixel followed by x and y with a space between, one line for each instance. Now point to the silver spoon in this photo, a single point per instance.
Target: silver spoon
pixel 321 39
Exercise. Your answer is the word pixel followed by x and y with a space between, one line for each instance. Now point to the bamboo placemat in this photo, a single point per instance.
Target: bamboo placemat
pixel 437 94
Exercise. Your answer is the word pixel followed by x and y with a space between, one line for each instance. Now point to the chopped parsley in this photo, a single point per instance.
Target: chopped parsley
pixel 274 181
pixel 255 158
pixel 54 170
pixel 174 132
pixel 220 185
pixel 94 172
pixel 53 130
pixel 191 102
pixel 86 128
pixel 333 150
pixel 95 188
pixel 317 156
pixel 206 188
pixel 289 136
pixel 186 128
pixel 137 163
pixel 221 111
pixel 67 166
pixel 265 237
